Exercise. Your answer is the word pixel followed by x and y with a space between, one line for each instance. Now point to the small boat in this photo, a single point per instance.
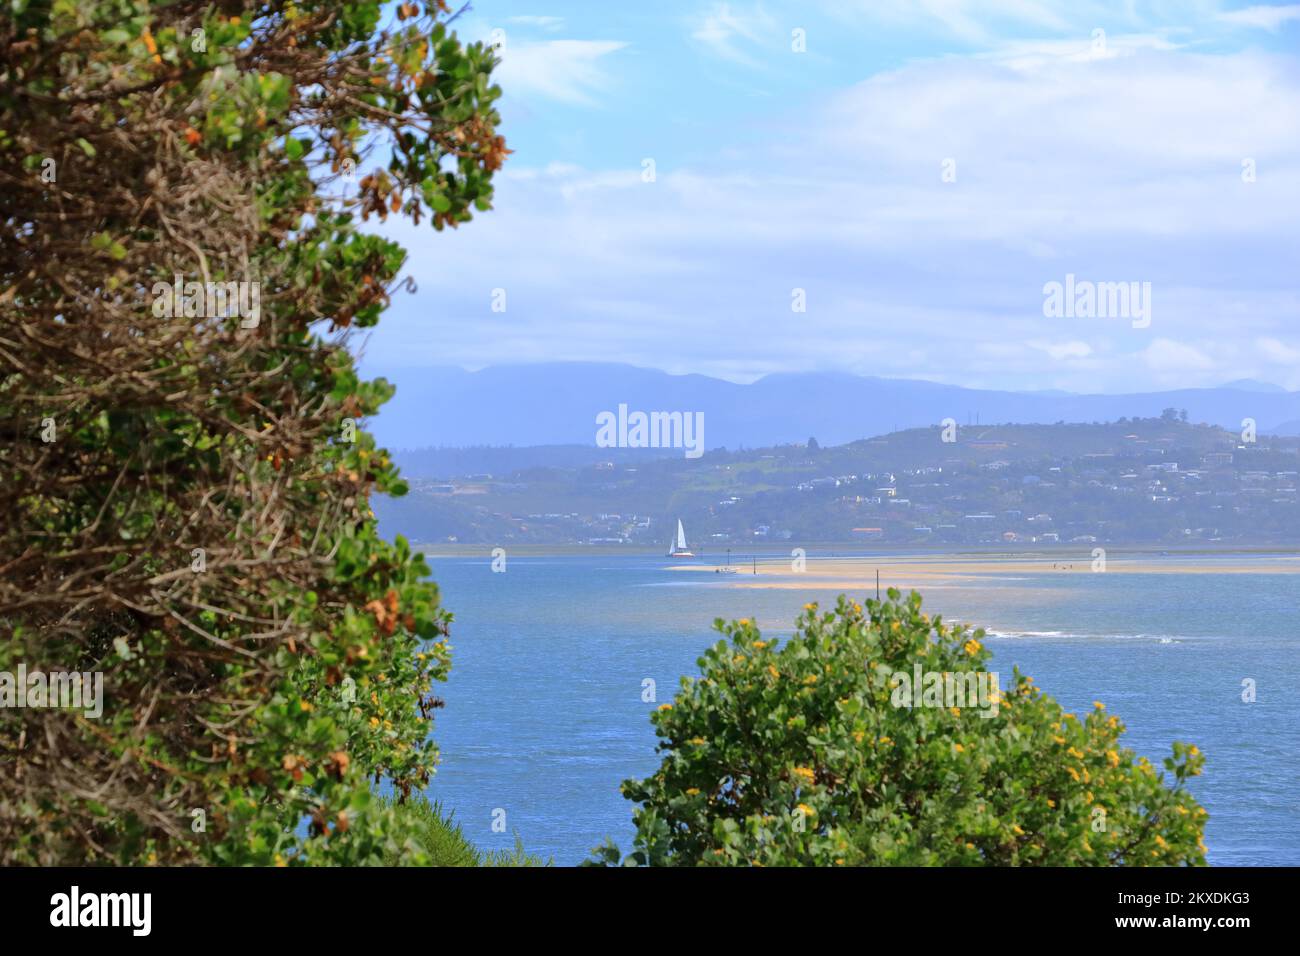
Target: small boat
pixel 678 549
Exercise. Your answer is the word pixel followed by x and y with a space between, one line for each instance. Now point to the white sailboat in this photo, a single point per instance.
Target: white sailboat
pixel 679 549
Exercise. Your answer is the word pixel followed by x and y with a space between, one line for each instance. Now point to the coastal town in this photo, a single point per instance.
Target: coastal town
pixel 1146 481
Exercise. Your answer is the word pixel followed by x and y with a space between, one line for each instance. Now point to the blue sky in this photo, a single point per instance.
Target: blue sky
pixel 1100 139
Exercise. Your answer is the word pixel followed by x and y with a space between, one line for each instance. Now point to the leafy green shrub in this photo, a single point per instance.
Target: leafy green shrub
pixel 808 753
pixel 185 489
pixel 437 839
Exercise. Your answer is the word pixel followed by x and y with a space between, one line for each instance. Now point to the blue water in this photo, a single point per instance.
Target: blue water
pixel 545 716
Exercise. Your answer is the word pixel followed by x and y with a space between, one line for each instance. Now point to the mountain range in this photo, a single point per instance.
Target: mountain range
pixel 557 403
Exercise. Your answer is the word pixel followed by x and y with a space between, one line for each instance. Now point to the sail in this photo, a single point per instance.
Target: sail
pixel 681 536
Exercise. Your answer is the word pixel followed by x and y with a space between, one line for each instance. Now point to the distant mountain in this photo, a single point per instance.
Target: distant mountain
pixel 1285 428
pixel 557 404
pixel 1253 385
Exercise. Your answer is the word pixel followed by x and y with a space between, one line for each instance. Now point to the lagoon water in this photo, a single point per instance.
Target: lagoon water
pixel 544 714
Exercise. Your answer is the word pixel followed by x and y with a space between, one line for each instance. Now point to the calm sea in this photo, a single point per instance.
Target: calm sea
pixel 545 716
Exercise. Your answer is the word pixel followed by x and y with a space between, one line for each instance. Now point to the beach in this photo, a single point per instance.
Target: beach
pixel 854 574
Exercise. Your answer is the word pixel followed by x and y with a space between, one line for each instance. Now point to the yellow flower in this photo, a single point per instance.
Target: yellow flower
pixel 959 748
pixel 771 669
pixel 972 647
pixel 692 791
pixel 804 773
pixel 1015 828
pixel 665 706
pixel 760 644
pixel 698 741
pixel 1099 705
pixel 807 810
pixel 810 679
pixel 1051 803
pixel 1112 758
pixel 810 607
pixel 886 740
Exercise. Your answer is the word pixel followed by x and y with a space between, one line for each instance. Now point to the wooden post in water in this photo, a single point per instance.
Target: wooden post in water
pixel 877 584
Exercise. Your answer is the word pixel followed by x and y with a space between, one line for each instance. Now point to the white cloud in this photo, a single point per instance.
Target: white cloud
pixel 726 32
pixel 1064 350
pixel 567 71
pixel 549 24
pixel 1034 55
pixel 1279 352
pixel 973 21
pixel 1263 17
pixel 1123 169
pixel 1166 355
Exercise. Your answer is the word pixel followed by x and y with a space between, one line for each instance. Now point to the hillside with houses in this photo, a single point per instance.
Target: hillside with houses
pixel 1153 481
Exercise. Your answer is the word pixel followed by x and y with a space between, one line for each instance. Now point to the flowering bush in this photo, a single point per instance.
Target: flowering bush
pixel 818 752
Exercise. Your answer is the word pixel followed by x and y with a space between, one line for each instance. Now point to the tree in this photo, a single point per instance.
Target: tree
pixel 1169 415
pixel 185 485
pixel 812 444
pixel 809 753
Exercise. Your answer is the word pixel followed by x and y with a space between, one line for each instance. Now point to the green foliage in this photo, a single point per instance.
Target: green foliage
pixel 249 703
pixel 437 839
pixel 800 754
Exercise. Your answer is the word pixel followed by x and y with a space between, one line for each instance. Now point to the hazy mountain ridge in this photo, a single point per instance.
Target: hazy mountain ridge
pixel 557 403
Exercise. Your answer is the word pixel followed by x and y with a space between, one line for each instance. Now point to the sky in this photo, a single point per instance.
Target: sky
pixel 914 173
